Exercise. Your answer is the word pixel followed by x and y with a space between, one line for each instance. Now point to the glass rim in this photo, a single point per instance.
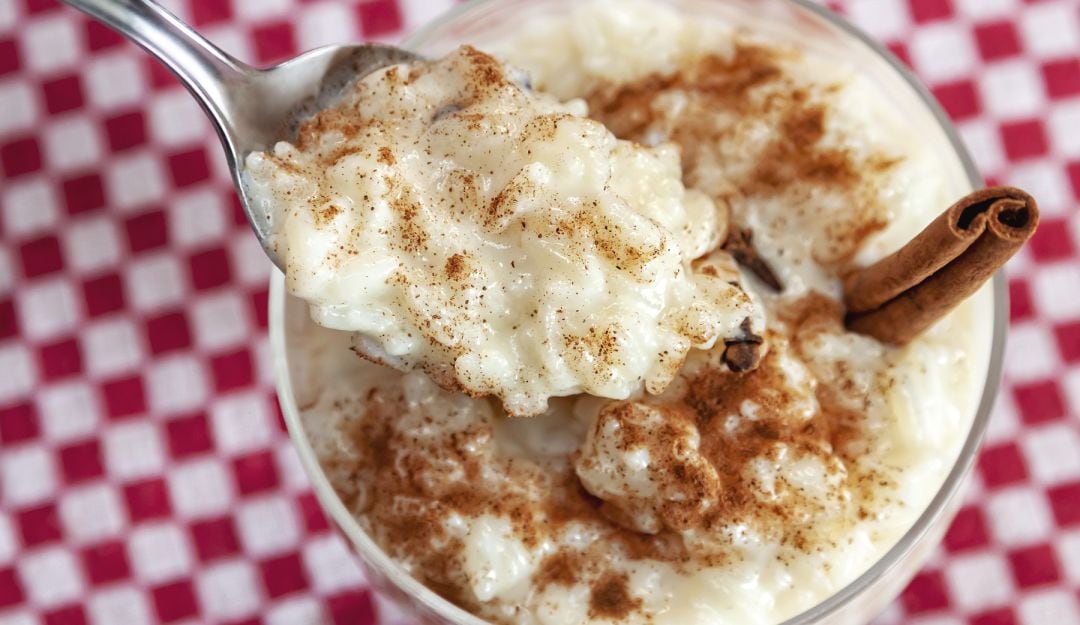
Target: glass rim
pixel 376 557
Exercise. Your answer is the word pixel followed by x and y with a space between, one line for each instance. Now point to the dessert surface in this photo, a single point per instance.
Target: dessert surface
pixel 727 496
pixel 462 224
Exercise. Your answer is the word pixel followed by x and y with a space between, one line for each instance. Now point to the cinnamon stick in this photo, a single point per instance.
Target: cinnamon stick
pixel 901 295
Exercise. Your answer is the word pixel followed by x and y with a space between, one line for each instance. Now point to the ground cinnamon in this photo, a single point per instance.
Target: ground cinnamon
pixel 900 296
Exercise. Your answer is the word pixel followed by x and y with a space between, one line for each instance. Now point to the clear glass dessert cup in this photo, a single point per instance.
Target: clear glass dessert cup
pixel 811 26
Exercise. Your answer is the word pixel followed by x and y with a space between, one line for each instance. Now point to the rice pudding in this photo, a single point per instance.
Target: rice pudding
pixel 725 497
pixel 462 224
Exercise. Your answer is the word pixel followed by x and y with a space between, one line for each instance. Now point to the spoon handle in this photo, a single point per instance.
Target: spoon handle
pixel 208 72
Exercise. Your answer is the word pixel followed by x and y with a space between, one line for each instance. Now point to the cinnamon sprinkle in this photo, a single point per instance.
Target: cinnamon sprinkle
pixel 561 568
pixel 403 486
pixel 407 489
pixel 726 102
pixel 610 597
pixel 456 267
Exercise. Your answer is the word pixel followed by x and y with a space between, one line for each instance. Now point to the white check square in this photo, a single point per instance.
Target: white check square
pixel 979 581
pixel 1068 548
pixel 297 611
pixel 91 514
pixel 114 80
pixel 1032 353
pixel 268 526
pixel 20 370
pixel 1046 180
pixel 1019 516
pixel 1063 126
pixel 242 422
pixel 112 346
pixel 229 590
pixel 91 244
pixel 200 488
pixel 51 576
pixel 249 262
pixel 135 180
pixel 73 143
pixel 123 604
pixel 9 545
pixel 176 384
pixel 324 24
pixel 983 141
pixel 220 321
pixel 1052 453
pixel 50 44
pixel 27 476
pixel 1012 90
pixel 69 411
pixel 1051 29
pixel 48 309
pixel 155 283
pixel 133 450
pixel 175 119
pixel 159 553
pixel 943 51
pixel 1044 607
pixel 9 12
pixel 29 206
pixel 1056 290
pixel 19 106
pixel 231 38
pixel 885 20
pixel 988 9
pixel 331 564
pixel 198 217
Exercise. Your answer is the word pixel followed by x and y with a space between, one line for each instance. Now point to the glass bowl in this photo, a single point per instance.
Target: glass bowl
pixel 813 27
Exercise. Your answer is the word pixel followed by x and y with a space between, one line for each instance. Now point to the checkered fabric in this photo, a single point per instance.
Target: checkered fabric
pixel 145 475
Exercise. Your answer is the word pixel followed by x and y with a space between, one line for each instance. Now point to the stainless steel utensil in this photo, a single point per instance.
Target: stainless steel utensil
pixel 250 108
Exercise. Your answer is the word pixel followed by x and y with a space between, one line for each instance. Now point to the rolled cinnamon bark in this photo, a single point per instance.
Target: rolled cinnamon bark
pixel 901 295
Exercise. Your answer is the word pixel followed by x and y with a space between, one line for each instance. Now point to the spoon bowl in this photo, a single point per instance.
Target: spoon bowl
pixel 251 108
pixel 272 105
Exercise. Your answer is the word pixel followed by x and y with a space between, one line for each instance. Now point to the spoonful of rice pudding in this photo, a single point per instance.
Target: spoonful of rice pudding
pixel 457 222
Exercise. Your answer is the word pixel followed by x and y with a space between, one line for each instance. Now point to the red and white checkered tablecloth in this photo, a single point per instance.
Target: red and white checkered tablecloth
pixel 145 475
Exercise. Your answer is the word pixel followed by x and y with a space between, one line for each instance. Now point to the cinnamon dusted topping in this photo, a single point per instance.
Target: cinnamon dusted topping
pixel 632 110
pixel 456 267
pixel 610 597
pixel 644 463
pixel 798 156
pixel 716 108
pixel 579 277
pixel 485 72
pixel 562 568
pixel 785 418
pixel 778 463
pixel 712 459
pixel 326 215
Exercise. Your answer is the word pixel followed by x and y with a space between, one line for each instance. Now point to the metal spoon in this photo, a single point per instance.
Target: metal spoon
pixel 250 108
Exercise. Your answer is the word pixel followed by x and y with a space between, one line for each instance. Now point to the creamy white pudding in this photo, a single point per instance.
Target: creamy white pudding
pixel 461 224
pixel 727 498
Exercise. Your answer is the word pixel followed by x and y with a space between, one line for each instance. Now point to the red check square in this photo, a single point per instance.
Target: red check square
pixel 18 422
pixel 70 615
pixel 83 193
